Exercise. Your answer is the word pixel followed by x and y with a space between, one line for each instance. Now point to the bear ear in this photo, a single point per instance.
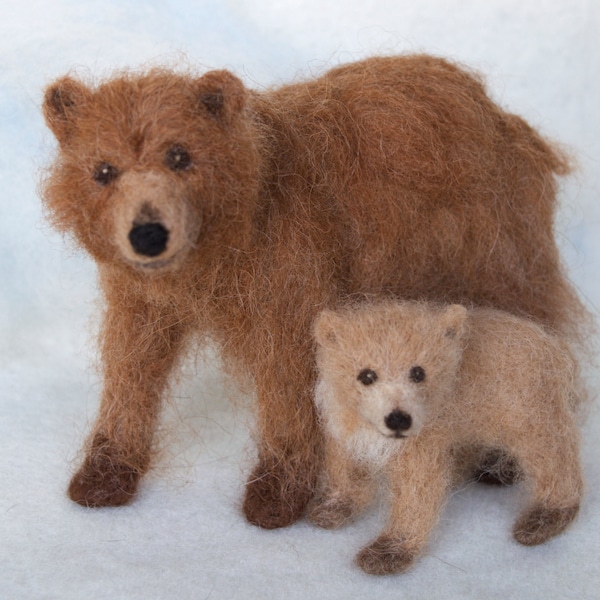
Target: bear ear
pixel 453 319
pixel 222 95
pixel 326 328
pixel 62 102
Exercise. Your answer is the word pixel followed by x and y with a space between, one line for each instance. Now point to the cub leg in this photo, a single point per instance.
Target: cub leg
pixel 419 479
pixel 140 345
pixel 347 489
pixel 555 473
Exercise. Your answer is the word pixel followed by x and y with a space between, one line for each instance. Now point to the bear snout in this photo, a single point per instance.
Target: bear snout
pixel 149 239
pixel 153 223
pixel 398 422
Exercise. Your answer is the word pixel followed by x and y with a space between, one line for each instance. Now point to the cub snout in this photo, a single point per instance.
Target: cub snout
pixel 398 422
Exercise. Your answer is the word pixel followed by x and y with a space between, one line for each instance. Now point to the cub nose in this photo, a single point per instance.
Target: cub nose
pixel 398 421
pixel 149 239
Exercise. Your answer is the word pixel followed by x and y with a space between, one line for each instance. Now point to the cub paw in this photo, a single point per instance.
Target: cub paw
pixel 384 557
pixel 540 524
pixel 331 512
pixel 497 468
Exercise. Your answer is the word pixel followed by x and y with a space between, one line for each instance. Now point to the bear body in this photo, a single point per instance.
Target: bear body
pixel 217 212
pixel 422 392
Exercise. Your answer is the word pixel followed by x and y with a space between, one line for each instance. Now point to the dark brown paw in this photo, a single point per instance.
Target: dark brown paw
pixel 540 524
pixel 103 480
pixel 384 557
pixel 497 468
pixel 331 512
pixel 274 498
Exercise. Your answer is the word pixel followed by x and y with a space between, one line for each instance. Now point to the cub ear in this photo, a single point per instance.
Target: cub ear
pixel 222 95
pixel 62 102
pixel 453 319
pixel 325 328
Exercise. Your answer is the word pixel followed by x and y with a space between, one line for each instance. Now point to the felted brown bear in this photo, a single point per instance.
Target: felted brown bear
pixel 236 216
pixel 419 392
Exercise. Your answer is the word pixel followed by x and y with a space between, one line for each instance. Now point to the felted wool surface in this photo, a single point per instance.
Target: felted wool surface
pixel 185 535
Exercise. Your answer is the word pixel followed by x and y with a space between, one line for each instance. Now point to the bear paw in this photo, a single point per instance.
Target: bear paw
pixel 103 480
pixel 385 556
pixel 540 524
pixel 331 512
pixel 275 498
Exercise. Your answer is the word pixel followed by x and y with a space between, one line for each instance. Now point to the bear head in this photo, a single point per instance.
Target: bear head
pixel 386 368
pixel 152 167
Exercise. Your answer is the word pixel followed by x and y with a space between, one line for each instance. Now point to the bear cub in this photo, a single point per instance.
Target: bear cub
pixel 420 392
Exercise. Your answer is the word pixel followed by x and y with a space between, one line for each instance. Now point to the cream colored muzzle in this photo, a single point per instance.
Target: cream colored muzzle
pixel 153 224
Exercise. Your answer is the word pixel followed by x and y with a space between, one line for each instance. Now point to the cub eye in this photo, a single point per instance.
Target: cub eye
pixel 104 173
pixel 367 376
pixel 178 159
pixel 417 374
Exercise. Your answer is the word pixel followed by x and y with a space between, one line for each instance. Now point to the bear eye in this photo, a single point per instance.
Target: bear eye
pixel 417 374
pixel 367 376
pixel 178 159
pixel 104 173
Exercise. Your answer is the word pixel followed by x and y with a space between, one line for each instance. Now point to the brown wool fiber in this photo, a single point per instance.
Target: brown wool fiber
pixel 216 211
pixel 444 388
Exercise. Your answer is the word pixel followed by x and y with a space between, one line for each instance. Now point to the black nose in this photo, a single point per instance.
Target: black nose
pixel 398 420
pixel 149 239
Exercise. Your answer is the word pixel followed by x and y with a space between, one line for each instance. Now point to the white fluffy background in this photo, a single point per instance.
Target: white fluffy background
pixel 185 536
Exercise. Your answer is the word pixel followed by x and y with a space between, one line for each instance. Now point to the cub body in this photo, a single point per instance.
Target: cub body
pixel 423 393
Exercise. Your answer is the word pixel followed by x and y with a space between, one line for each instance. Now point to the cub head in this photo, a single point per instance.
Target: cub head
pixel 386 368
pixel 151 167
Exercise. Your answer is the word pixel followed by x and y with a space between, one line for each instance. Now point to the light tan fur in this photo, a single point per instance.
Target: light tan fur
pixel 492 383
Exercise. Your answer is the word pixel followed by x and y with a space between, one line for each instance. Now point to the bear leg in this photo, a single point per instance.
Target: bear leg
pixel 140 345
pixel 290 457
